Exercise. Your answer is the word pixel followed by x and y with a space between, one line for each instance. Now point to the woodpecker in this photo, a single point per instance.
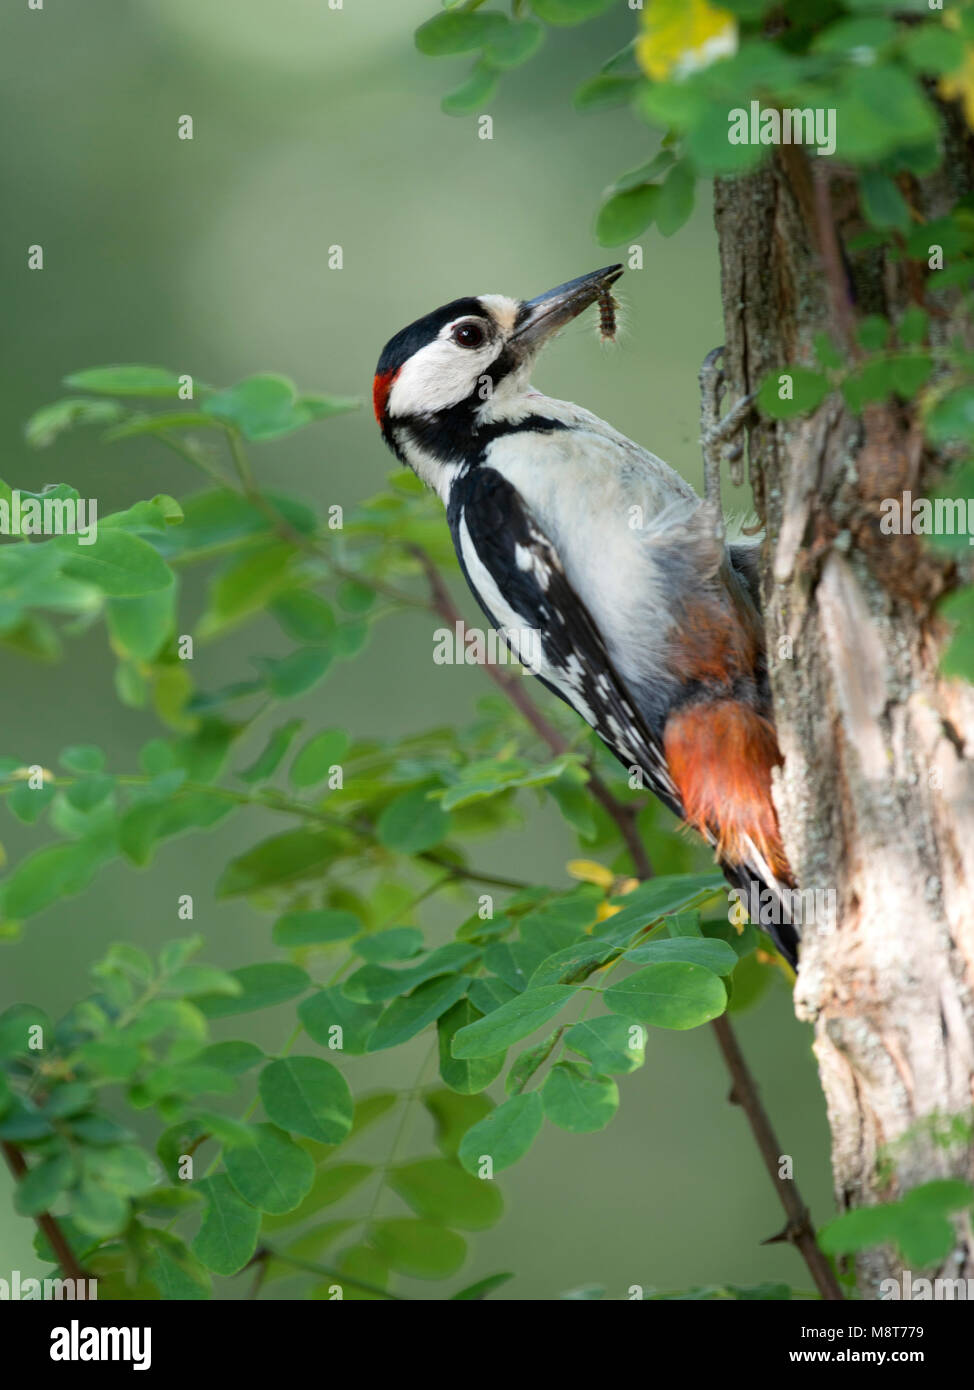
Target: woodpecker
pixel 606 574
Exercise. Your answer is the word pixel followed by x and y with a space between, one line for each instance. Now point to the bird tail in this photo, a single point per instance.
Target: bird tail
pixel 767 902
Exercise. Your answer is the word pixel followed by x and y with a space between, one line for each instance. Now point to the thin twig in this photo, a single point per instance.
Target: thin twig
pixel 67 1260
pixel 798 1230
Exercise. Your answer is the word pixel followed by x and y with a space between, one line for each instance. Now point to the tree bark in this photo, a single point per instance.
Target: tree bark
pixel 876 793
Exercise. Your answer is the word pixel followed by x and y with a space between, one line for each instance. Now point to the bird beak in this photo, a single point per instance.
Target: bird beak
pixel 540 318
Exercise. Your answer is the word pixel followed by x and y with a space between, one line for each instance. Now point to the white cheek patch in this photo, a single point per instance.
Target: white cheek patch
pixel 440 375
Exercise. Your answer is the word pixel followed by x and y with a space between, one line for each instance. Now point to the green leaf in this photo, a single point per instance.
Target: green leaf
pixel 337 1023
pixel 139 626
pixel 933 49
pixel 308 1096
pixel 331 1184
pixel 233 1057
pixel 304 616
pixel 576 1100
pixel 163 424
pixel 270 759
pixel 39 1188
pixel 669 996
pixel 882 202
pixel 453 1115
pixel 419 1248
pixel 909 372
pixel 676 198
pixel 127 380
pixel 606 90
pixel 873 332
pixel 395 943
pixel 406 1017
pixel 792 391
pixel 82 758
pixel 49 874
pixel 659 897
pixel 850 34
pixel 98 1211
pixel 858 1230
pixel 627 215
pixel 512 1021
pixel 572 964
pixel 872 382
pixel 503 1136
pixel 119 564
pixel 611 1044
pixel 374 983
pixel 262 987
pixel 174 1280
pixel 246 585
pixel 530 1061
pixel 510 45
pixel 318 756
pixel 318 927
pixel 285 858
pixel 711 954
pixel 456 32
pixel 297 673
pixel 878 110
pixel 952 417
pixel 125 1168
pixel 227 1238
pixel 412 823
pixel 439 1190
pixel 267 406
pixel 473 94
pixel 46 424
pixel 462 1074
pixel 913 326
pixel 272 1173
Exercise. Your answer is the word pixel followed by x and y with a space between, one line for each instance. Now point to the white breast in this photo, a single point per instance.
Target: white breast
pixel 607 506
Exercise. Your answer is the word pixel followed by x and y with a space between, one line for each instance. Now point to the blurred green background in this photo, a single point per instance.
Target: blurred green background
pixel 316 127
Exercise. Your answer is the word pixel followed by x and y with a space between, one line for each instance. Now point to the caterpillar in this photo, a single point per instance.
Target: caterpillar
pixel 607 315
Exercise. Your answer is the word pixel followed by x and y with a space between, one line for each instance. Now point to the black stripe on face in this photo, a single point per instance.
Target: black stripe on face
pixel 409 340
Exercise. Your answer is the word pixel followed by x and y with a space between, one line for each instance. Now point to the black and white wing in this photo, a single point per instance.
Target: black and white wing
pixel 517 578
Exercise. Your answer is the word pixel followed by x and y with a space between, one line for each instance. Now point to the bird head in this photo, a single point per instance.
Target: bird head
pixel 442 378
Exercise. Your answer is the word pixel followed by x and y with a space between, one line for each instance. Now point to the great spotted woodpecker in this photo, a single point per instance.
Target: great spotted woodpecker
pixel 648 625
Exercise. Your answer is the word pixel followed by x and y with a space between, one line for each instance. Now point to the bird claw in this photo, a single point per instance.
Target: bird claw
pixel 716 431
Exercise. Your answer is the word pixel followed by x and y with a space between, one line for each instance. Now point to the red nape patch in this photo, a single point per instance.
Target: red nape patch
pixel 720 755
pixel 381 387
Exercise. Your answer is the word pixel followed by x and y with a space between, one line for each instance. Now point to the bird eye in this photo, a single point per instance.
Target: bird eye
pixel 468 335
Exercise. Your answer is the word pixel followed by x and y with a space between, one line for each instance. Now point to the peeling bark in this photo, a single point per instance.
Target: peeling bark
pixel 876 795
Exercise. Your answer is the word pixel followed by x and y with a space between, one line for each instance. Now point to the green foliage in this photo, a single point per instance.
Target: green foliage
pixel 228 1190
pixel 918 1224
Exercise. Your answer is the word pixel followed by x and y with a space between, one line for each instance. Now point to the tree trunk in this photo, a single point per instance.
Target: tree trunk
pixel 876 794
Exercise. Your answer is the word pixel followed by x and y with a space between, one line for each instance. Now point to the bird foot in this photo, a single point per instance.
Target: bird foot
pixel 717 432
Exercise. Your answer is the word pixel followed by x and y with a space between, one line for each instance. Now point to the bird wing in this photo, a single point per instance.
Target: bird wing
pixel 518 579
pixel 724 749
